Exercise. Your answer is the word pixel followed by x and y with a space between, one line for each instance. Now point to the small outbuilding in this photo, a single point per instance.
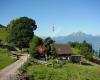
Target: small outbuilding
pixel 63 51
pixel 76 58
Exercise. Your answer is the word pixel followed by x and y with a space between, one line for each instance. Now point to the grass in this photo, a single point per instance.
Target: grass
pixel 68 72
pixel 75 51
pixel 3 34
pixel 5 58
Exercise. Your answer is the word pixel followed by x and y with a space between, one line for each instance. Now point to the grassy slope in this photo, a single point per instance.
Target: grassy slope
pixel 5 58
pixel 3 34
pixel 68 72
pixel 75 51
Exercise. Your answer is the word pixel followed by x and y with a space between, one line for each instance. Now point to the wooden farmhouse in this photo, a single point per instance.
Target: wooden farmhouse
pixel 63 51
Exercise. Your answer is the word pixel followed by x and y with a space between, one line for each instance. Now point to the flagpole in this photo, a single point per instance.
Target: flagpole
pixel 53 30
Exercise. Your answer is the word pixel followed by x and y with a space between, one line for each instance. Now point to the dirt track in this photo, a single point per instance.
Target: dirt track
pixel 6 73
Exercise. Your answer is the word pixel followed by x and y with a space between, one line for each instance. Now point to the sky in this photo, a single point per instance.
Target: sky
pixel 67 16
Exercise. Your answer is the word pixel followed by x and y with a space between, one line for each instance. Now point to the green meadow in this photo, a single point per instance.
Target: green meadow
pixel 5 58
pixel 68 72
pixel 75 51
pixel 3 34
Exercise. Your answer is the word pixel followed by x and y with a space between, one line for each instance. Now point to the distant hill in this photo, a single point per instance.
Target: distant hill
pixel 80 36
pixel 1 26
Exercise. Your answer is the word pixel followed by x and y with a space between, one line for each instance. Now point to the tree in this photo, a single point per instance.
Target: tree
pixel 21 31
pixel 84 47
pixel 53 50
pixel 50 48
pixel 36 41
pixel 99 53
pixel 75 44
pixel 87 50
pixel 48 41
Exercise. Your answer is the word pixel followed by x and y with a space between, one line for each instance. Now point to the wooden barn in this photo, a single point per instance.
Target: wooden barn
pixel 63 51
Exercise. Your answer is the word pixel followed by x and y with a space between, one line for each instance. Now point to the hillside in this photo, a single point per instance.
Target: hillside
pixel 68 72
pixel 5 58
pixel 75 51
pixel 3 34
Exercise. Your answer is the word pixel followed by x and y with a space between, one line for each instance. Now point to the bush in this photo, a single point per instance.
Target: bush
pixel 25 66
pixel 95 60
pixel 56 64
pixel 85 49
pixel 36 41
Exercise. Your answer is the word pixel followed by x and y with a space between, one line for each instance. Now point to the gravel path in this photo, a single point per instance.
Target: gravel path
pixel 6 73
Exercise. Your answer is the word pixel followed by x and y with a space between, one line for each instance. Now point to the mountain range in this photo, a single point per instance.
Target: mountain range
pixel 80 36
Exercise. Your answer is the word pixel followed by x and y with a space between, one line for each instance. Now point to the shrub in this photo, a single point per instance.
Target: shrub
pixel 36 41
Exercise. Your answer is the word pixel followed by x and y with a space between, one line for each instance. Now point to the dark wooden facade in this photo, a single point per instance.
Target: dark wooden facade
pixel 63 51
pixel 76 58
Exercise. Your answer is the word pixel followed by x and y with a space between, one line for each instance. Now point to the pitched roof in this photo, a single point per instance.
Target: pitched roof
pixel 63 49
